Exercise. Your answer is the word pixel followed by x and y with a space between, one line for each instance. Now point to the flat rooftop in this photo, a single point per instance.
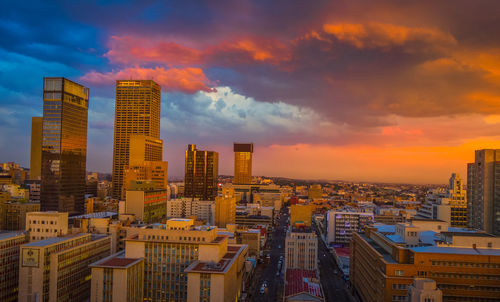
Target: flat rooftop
pixel 8 234
pixel 117 260
pixel 456 250
pixel 53 240
pixel 233 251
pixel 387 257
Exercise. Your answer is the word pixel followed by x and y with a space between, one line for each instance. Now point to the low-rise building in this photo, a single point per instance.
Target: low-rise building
pixel 43 225
pixel 301 249
pixel 303 286
pixel 188 207
pixel 148 205
pixel 116 278
pixel 340 225
pixel 57 269
pixel 424 290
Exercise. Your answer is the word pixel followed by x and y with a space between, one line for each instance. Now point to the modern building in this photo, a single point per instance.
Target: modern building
pixel 57 269
pixel 448 205
pixel 137 112
pixel 178 256
pixel 148 205
pixel 424 290
pixel 116 278
pixel 154 171
pixel 483 191
pixel 10 243
pixel 225 207
pixel 301 249
pixel 201 172
pixel 64 146
pixel 243 163
pixel 465 265
pixel 13 214
pixel 301 213
pixel 201 210
pixel 36 148
pixel 340 225
pixel 43 225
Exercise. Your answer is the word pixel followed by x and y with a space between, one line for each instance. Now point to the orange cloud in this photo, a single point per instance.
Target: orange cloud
pixel 382 35
pixel 248 50
pixel 135 50
pixel 187 80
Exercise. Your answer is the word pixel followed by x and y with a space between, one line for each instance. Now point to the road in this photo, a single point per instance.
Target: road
pixel 334 287
pixel 267 272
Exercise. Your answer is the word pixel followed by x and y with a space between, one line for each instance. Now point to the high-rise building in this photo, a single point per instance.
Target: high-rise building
pixel 116 278
pixel 9 268
pixel 201 172
pixel 57 269
pixel 137 111
pixel 64 146
pixel 483 191
pixel 225 207
pixel 243 163
pixel 36 147
pixel 340 225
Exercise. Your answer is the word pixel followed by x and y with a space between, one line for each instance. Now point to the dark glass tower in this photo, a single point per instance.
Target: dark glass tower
pixel 202 170
pixel 64 146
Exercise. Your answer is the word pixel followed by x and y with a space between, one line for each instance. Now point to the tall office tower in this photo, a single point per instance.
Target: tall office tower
pixel 64 146
pixel 458 201
pixel 201 172
pixel 36 147
pixel 137 111
pixel 225 208
pixel 243 163
pixel 483 191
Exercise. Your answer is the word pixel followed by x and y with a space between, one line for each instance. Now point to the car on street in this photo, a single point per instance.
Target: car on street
pixel 262 290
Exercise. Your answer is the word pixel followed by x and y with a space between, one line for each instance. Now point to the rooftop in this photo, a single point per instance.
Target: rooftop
pixel 300 281
pixel 95 215
pixel 456 250
pixel 233 251
pixel 8 234
pixel 117 260
pixel 53 240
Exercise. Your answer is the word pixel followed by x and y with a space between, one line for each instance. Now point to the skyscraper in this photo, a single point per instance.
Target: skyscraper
pixel 201 172
pixel 64 145
pixel 243 163
pixel 36 147
pixel 137 111
pixel 483 191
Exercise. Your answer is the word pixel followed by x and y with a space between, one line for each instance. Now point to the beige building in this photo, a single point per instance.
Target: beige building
pixel 137 111
pixel 243 163
pixel 203 210
pixel 43 225
pixel 148 205
pixel 424 290
pixel 57 269
pixel 173 254
pixel 36 147
pixel 301 249
pixel 9 264
pixel 225 207
pixel 315 192
pixel 116 278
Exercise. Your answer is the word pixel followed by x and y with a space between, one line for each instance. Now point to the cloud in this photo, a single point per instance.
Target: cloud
pixel 188 80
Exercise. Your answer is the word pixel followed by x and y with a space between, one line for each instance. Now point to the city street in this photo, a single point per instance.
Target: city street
pixel 267 271
pixel 334 287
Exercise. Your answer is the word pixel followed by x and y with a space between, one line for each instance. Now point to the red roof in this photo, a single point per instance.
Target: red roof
pixel 342 251
pixel 298 281
pixel 124 262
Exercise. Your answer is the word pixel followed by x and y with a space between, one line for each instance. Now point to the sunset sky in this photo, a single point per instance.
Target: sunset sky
pixel 396 91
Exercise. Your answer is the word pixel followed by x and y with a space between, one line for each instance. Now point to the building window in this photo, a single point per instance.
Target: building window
pixel 399 272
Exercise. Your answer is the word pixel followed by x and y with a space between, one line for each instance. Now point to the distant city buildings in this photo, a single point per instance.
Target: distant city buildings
pixel 64 146
pixel 201 172
pixel 341 225
pixel 483 191
pixel 201 210
pixel 137 114
pixel 243 163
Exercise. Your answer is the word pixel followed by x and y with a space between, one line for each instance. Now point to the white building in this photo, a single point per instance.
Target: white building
pixel 187 207
pixel 341 224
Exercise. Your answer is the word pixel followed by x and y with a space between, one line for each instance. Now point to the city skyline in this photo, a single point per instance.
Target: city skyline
pixel 398 95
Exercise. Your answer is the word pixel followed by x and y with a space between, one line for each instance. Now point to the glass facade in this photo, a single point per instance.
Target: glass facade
pixel 201 173
pixel 243 163
pixel 137 111
pixel 64 145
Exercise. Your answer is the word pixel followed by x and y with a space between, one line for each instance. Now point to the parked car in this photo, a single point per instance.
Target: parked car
pixel 262 290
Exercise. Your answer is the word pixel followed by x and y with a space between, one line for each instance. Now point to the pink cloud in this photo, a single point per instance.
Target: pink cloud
pixel 187 80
